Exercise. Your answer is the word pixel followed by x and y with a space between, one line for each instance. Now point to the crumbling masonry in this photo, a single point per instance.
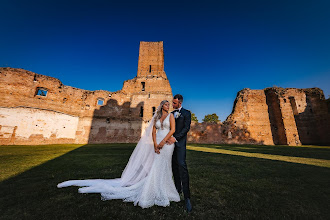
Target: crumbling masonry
pixel 38 109
pixel 272 116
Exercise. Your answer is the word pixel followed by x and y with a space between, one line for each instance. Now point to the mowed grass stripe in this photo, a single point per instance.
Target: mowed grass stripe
pixel 301 160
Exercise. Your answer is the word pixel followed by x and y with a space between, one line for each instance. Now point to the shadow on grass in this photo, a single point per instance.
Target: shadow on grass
pixel 16 159
pixel 222 186
pixel 33 194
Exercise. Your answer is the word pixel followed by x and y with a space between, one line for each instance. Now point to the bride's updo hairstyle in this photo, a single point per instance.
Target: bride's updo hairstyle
pixel 159 112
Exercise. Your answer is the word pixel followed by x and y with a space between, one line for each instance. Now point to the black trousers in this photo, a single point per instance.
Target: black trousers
pixel 180 170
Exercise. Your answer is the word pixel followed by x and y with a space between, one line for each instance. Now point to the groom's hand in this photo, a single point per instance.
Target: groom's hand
pixel 170 141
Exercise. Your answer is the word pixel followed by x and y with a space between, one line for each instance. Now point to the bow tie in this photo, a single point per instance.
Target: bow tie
pixel 177 110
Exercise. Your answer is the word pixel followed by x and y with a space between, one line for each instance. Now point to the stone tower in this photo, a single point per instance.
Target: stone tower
pixel 151 59
pixel 151 85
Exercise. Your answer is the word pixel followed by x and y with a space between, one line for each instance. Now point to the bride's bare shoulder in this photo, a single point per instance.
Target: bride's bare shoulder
pixel 171 116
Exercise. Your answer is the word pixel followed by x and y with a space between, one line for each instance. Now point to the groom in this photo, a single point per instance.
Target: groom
pixel 179 167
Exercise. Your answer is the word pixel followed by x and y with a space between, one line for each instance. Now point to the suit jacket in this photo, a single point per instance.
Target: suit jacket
pixel 182 126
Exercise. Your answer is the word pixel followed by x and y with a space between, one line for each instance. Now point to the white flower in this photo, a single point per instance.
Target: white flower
pixel 177 114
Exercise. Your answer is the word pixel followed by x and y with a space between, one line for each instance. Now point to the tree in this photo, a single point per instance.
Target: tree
pixel 193 117
pixel 211 118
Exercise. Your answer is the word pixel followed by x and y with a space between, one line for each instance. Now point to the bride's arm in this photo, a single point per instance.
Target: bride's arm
pixel 154 139
pixel 170 133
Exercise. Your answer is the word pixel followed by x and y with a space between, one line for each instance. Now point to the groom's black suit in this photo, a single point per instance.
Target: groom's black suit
pixel 179 166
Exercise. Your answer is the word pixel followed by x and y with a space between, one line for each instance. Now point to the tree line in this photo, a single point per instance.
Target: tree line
pixel 207 118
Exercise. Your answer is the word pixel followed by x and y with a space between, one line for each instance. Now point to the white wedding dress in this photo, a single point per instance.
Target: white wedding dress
pixel 147 178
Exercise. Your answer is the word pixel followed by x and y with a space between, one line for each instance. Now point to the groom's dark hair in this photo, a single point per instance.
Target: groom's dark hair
pixel 179 97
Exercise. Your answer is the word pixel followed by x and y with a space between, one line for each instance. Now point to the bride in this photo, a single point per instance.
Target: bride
pixel 147 178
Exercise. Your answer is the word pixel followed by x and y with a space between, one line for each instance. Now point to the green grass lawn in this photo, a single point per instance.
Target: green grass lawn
pixel 317 152
pixel 222 186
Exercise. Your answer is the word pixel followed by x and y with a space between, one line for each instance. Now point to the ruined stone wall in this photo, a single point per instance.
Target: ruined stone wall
pixel 71 115
pixel 206 133
pixel 23 124
pixel 247 124
pixel 249 120
pixel 281 117
pixel 307 115
pixel 19 87
pixel 19 101
pixel 271 116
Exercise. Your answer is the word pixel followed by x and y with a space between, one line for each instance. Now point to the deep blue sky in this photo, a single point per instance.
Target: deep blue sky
pixel 212 49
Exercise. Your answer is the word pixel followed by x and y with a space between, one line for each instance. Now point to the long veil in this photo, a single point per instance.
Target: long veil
pixel 132 177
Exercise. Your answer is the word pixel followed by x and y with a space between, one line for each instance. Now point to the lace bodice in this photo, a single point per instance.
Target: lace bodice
pixel 166 124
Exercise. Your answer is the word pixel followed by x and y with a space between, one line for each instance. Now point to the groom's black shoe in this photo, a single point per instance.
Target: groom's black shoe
pixel 188 204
